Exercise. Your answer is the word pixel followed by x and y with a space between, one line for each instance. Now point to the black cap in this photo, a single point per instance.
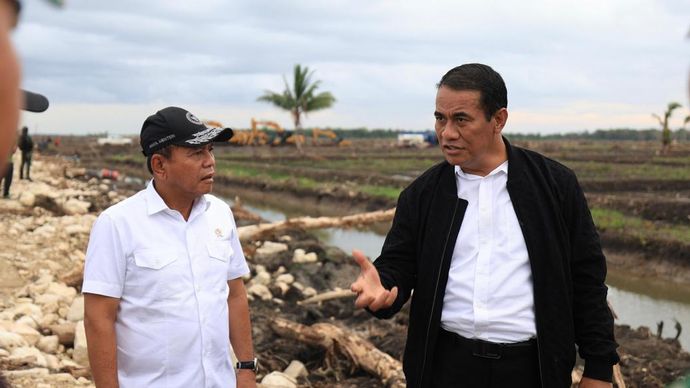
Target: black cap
pixel 34 102
pixel 173 125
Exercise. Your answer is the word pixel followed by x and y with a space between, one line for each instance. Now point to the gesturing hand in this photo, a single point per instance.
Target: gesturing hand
pixel 370 292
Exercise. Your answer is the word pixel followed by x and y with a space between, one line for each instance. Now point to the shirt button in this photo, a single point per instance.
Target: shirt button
pixel 198 287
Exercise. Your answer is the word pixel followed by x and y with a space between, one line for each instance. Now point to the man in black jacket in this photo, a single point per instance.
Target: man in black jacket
pixel 500 249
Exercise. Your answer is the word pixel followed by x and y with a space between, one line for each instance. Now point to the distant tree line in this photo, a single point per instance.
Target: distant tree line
pixel 606 134
pixel 599 134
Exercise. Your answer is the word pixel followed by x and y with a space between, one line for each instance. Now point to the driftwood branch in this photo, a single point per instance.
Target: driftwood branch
pixel 251 232
pixel 362 353
pixel 618 376
pixel 328 295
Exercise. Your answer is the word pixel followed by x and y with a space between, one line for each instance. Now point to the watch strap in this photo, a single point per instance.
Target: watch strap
pixel 251 364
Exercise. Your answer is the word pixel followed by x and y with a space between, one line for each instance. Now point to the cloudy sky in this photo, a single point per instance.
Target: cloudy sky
pixel 569 65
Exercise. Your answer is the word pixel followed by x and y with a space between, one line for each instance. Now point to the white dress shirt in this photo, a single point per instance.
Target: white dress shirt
pixel 489 294
pixel 171 278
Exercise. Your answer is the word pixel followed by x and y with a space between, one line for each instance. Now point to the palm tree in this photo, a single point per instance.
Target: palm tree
pixel 300 97
pixel 665 130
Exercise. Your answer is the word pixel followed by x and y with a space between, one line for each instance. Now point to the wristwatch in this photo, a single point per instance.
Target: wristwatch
pixel 252 364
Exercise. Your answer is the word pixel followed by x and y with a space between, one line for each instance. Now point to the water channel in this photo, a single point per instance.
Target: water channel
pixel 637 301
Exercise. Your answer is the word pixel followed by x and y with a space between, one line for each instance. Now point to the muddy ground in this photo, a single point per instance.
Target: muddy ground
pixel 645 360
pixel 628 177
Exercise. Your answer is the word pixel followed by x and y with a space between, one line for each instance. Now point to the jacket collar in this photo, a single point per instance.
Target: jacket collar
pixel 516 169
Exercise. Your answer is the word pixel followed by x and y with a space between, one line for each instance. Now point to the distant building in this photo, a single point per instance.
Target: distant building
pixel 111 140
pixel 417 139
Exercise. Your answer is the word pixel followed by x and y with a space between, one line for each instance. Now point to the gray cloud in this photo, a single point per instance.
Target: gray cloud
pixel 380 59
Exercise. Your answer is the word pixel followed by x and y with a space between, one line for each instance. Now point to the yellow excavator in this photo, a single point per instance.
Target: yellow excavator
pixel 282 136
pixel 258 136
pixel 243 137
pixel 331 137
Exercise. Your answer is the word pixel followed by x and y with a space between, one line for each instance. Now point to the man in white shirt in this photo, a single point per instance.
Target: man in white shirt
pixel 499 247
pixel 164 298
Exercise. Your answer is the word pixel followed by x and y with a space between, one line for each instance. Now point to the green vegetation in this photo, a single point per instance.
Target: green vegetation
pixel 598 171
pixel 373 164
pixel 245 171
pixel 381 191
pixel 607 219
pixel 604 134
pixel 665 130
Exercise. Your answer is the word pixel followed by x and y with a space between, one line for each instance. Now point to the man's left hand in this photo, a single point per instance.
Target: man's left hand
pixel 586 382
pixel 246 378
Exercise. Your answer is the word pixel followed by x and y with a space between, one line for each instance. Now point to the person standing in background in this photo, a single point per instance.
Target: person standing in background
pixel 26 145
pixel 7 178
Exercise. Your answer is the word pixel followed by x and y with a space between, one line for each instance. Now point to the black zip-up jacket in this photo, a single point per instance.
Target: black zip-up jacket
pixel 568 266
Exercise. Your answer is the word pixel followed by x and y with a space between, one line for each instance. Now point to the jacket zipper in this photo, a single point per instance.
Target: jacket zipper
pixel 541 376
pixel 433 302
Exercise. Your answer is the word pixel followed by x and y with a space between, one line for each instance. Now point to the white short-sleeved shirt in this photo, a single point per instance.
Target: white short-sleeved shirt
pixel 171 278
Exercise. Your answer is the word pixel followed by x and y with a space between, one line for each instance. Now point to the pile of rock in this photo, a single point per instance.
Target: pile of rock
pixel 42 336
pixel 273 286
pixel 44 235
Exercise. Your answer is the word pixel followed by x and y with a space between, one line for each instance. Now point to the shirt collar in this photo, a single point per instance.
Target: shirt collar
pixel 502 168
pixel 155 204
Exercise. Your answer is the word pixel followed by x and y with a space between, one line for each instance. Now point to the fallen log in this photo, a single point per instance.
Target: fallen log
pixel 328 295
pixel 342 342
pixel 251 232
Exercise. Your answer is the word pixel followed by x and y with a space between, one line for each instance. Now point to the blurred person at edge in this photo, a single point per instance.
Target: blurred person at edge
pixel 10 95
pixel 12 98
pixel 163 292
pixel 500 249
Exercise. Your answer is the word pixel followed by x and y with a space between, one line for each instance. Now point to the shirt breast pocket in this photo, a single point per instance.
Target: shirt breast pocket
pixel 220 253
pixel 220 250
pixel 154 259
pixel 154 273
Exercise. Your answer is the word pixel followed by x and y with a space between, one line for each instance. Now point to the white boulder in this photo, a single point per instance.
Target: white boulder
pixel 80 354
pixel 260 291
pixel 270 248
pixel 76 310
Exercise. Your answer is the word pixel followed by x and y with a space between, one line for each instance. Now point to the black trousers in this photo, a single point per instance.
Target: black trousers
pixel 7 179
pixel 26 162
pixel 461 362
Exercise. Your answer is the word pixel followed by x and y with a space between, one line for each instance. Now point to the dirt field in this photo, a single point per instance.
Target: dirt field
pixel 640 200
pixel 633 214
